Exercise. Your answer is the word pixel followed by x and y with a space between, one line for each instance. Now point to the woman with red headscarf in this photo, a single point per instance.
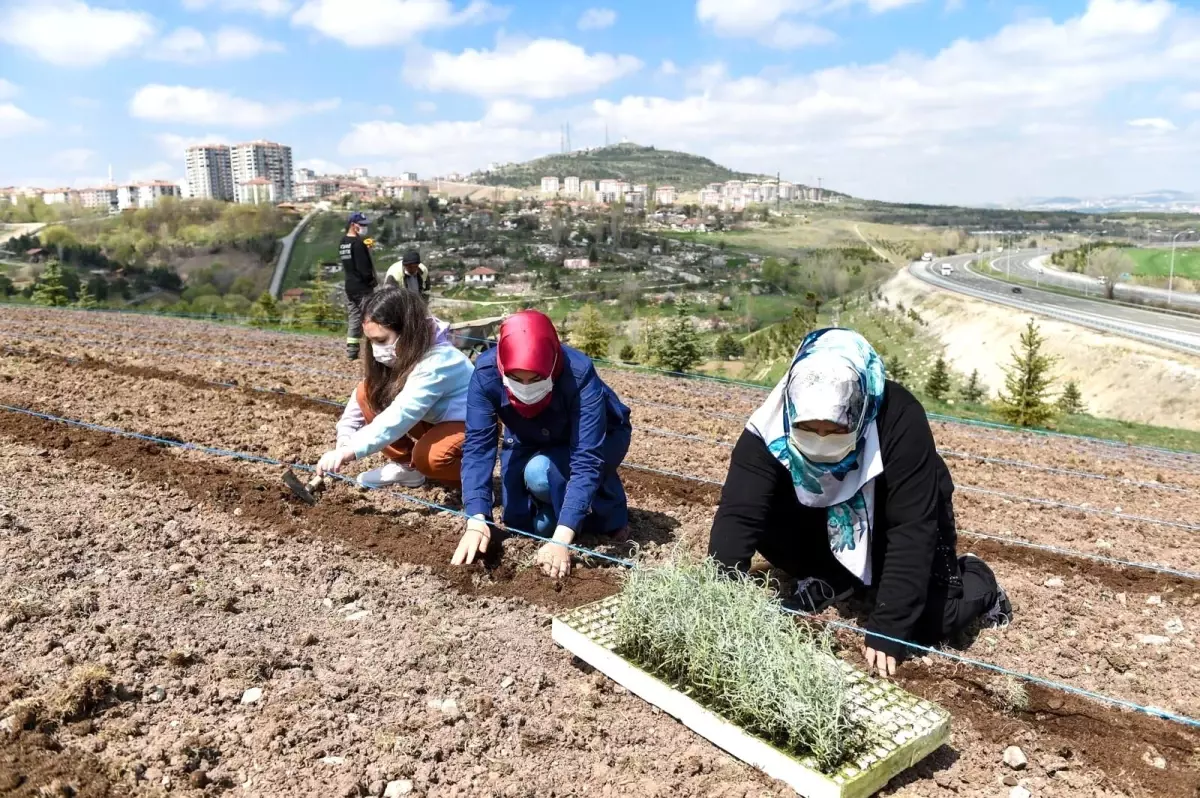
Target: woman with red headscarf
pixel 565 434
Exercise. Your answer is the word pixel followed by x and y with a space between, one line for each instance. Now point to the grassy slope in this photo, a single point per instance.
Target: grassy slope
pixel 1157 262
pixel 318 243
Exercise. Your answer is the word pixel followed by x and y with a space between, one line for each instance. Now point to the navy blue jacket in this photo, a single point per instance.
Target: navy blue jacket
pixel 582 412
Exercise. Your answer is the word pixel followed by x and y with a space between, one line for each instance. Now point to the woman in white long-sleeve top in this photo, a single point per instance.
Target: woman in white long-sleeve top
pixel 412 402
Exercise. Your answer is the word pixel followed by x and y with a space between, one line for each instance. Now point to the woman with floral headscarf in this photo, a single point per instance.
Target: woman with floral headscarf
pixel 565 434
pixel 837 481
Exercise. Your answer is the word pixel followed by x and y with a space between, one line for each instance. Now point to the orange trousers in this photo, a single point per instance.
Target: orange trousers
pixel 435 450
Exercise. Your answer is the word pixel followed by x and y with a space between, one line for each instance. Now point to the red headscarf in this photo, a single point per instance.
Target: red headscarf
pixel 529 342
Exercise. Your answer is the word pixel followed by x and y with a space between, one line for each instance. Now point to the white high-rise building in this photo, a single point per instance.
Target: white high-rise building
pixel 408 177
pixel 265 159
pixel 549 185
pixel 571 186
pixel 209 172
pixel 359 171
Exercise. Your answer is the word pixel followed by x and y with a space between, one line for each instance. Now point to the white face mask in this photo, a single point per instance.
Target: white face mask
pixel 824 448
pixel 385 354
pixel 529 394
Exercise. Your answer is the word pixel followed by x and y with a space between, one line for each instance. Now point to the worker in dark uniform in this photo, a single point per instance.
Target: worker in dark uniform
pixel 836 481
pixel 356 262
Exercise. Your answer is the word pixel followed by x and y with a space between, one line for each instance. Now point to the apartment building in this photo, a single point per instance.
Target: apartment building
pixel 257 191
pixel 359 172
pixel 315 189
pixel 665 195
pixel 102 197
pixel 255 160
pixel 549 185
pixel 305 175
pixel 60 196
pixel 209 172
pixel 710 198
pixel 571 186
pixel 406 190
pixel 408 177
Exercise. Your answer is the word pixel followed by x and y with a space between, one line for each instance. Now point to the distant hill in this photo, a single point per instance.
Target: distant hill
pixel 625 161
pixel 1151 201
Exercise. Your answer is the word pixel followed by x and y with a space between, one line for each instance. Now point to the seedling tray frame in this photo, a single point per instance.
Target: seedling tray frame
pixel 902 729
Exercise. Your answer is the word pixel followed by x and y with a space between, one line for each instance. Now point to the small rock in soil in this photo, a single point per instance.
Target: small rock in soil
pixel 1174 626
pixel 156 695
pixel 945 781
pixel 1153 640
pixel 1057 764
pixel 507 683
pixel 1154 600
pixel 397 788
pixel 1152 758
pixel 1054 582
pixel 1011 781
pixel 252 696
pixel 1019 792
pixel 1015 758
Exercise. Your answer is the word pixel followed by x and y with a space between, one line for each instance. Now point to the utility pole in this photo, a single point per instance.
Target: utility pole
pixel 777 196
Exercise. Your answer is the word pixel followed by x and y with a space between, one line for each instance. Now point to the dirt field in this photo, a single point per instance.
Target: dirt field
pixel 174 622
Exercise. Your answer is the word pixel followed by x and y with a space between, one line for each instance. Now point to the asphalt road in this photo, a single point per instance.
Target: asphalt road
pixel 1026 266
pixel 1181 333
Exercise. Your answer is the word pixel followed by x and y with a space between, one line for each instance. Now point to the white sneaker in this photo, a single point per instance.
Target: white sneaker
pixel 392 474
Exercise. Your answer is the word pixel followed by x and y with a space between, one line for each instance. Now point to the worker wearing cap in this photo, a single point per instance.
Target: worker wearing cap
pixel 410 273
pixel 356 262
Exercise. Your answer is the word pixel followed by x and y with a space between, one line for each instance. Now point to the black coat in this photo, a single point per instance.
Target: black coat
pixel 913 538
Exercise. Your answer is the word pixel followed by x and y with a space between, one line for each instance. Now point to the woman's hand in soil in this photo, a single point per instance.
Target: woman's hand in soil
pixel 555 558
pixel 879 662
pixel 332 462
pixel 474 541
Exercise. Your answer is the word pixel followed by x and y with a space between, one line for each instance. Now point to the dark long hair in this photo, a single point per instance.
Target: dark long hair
pixel 403 312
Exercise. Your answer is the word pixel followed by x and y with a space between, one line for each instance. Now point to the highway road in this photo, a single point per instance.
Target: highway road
pixel 1036 268
pixel 1178 332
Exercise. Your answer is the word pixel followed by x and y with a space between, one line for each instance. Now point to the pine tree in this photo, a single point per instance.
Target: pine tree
pixel 728 347
pixel 319 310
pixel 1071 401
pixel 628 354
pixel 897 371
pixel 50 290
pixel 678 347
pixel 591 336
pixel 1027 382
pixel 973 392
pixel 265 310
pixel 86 300
pixel 938 383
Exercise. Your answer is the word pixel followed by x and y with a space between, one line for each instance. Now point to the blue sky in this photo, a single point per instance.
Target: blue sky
pixel 914 100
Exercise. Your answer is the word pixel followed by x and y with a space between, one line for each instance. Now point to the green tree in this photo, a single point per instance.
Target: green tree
pixel 938 383
pixel 897 371
pixel 1109 263
pixel 7 287
pixel 628 354
pixel 678 347
pixel 590 336
pixel 973 391
pixel 86 300
pixel 50 289
pixel 319 310
pixel 243 286
pixel 1071 401
pixel 728 347
pixel 1027 382
pixel 265 310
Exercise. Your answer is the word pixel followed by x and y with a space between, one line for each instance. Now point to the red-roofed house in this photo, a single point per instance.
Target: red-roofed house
pixel 481 276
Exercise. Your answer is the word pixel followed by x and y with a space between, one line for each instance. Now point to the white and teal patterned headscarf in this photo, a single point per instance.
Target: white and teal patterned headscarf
pixel 835 376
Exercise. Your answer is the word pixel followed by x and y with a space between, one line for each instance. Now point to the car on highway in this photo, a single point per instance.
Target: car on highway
pixel 947 270
pixel 1016 289
pixel 927 257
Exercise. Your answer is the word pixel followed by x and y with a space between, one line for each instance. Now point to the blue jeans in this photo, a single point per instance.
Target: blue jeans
pixel 537 481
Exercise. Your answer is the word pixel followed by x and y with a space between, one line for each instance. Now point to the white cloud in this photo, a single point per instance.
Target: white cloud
pixel 8 89
pixel 1191 100
pixel 174 145
pixel 427 107
pixel 668 68
pixel 84 103
pixel 14 121
pixel 321 166
pixel 507 112
pixel 384 110
pixel 597 19
pixel 75 159
pixel 195 106
pixel 539 69
pixel 268 8
pixel 74 34
pixel 190 46
pixel 439 147
pixel 947 126
pixel 159 170
pixel 781 23
pixel 1153 123
pixel 375 23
